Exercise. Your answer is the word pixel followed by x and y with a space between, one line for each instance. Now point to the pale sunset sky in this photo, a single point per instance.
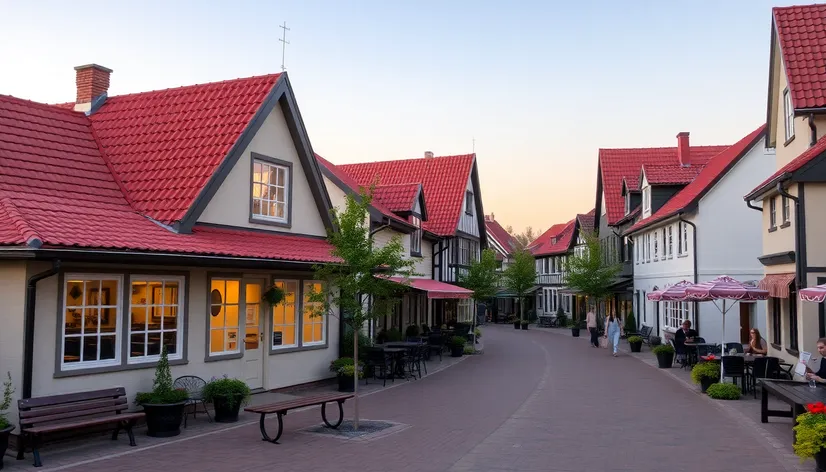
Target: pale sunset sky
pixel 540 85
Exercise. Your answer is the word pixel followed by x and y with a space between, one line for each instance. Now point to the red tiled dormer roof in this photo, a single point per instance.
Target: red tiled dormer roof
pixel 786 171
pixel 58 190
pixel 670 174
pixel 557 240
pixel 712 172
pixel 586 222
pixel 502 237
pixel 618 164
pixel 165 145
pixel 801 33
pixel 399 198
pixel 444 180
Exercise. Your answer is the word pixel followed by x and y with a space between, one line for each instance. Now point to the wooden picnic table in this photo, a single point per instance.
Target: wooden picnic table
pixel 795 393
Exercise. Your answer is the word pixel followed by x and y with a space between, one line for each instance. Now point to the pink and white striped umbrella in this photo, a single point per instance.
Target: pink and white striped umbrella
pixel 675 292
pixel 725 288
pixel 813 294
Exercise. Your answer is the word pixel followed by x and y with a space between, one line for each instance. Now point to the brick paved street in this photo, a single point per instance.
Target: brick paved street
pixel 534 401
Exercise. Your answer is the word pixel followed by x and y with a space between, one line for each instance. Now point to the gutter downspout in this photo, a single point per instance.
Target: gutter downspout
pixel 813 130
pixel 753 206
pixel 383 226
pixel 433 270
pixel 694 240
pixel 798 272
pixel 28 334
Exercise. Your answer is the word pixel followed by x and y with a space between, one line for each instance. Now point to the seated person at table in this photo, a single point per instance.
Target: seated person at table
pixel 820 374
pixel 756 345
pixel 685 333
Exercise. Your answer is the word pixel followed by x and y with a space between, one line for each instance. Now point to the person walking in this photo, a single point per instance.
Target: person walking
pixel 591 324
pixel 613 329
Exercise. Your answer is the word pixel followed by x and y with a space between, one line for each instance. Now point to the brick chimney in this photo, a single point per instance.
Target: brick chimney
pixel 683 149
pixel 489 217
pixel 92 81
pixel 428 154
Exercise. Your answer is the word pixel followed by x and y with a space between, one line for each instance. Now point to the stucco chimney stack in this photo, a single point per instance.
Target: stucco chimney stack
pixel 428 154
pixel 92 82
pixel 683 149
pixel 489 217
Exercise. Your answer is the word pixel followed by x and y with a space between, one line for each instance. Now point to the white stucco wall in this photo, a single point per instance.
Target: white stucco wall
pixel 13 293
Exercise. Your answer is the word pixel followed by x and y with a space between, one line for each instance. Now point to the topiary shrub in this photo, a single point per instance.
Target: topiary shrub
pixel 630 323
pixel 724 391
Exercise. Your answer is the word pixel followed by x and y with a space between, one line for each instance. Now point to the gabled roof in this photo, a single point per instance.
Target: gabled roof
pixel 586 222
pixel 400 198
pixel 793 166
pixel 618 164
pixel 60 188
pixel 801 33
pixel 444 180
pixel 670 174
pixel 712 172
pixel 557 240
pixel 500 235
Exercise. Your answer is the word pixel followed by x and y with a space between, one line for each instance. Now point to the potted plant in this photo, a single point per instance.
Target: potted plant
pixel 705 374
pixel 516 323
pixel 5 425
pixel 810 435
pixel 457 346
pixel 226 395
pixel 525 324
pixel 723 391
pixel 665 355
pixel 635 342
pixel 274 295
pixel 630 326
pixel 343 368
pixel 412 331
pixel 469 350
pixel 477 333
pixel 164 405
pixel 655 340
pixel 574 328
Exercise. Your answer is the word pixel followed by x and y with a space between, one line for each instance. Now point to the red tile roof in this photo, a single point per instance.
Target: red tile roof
pixel 444 180
pixel 399 198
pixel 502 237
pixel 618 164
pixel 658 174
pixel 801 32
pixel 712 172
pixel 795 164
pixel 586 222
pixel 57 187
pixel 557 240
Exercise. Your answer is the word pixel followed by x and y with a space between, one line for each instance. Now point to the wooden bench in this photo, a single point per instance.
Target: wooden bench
pixel 43 415
pixel 281 409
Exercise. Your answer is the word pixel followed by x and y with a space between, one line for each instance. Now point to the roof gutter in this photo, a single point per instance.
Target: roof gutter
pixel 382 227
pixel 28 334
pixel 799 228
pixel 753 206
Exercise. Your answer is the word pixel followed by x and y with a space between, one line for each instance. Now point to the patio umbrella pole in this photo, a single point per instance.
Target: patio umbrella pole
pixel 723 341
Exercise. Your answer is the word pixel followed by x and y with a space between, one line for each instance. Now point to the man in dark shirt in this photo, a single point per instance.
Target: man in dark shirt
pixel 685 333
pixel 820 375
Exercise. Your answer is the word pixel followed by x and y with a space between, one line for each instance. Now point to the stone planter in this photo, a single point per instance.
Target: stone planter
pixel 705 383
pixel 665 360
pixel 525 327
pixel 457 351
pixel 164 420
pixel 516 324
pixel 636 347
pixel 226 411
pixel 346 383
pixel 575 332
pixel 4 442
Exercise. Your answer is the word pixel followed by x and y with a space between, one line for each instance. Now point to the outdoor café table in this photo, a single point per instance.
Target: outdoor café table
pixel 404 344
pixel 795 393
pixel 397 354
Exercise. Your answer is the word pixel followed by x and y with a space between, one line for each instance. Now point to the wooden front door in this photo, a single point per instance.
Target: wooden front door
pixel 745 321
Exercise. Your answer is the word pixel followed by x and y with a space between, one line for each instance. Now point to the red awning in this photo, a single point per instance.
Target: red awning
pixel 434 288
pixel 777 284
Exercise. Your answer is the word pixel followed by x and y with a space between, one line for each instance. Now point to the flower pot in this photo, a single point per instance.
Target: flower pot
pixel 346 383
pixel 706 382
pixel 516 325
pixel 636 347
pixel 4 442
pixel 820 460
pixel 457 351
pixel 226 407
pixel 164 420
pixel 525 327
pixel 575 332
pixel 665 360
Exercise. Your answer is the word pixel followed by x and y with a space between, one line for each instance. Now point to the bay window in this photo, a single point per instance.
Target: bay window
pixel 156 306
pixel 91 321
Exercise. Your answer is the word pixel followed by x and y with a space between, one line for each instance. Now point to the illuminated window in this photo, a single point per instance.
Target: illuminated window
pixel 284 322
pixel 155 311
pixel 91 321
pixel 270 191
pixel 313 321
pixel 223 316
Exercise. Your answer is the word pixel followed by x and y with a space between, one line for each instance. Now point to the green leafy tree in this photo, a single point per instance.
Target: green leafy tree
pixel 483 278
pixel 520 276
pixel 359 287
pixel 588 272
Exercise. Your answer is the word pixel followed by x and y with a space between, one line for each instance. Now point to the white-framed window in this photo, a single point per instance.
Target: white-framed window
pixel 674 313
pixel 464 312
pixel 91 321
pixel 788 114
pixel 773 212
pixel 224 322
pixel 284 319
pixel 627 202
pixel 656 245
pixel 416 237
pixel 786 212
pixel 682 239
pixel 156 308
pixel 670 244
pixel 270 191
pixel 313 328
pixel 637 253
pixel 646 201
pixel 469 202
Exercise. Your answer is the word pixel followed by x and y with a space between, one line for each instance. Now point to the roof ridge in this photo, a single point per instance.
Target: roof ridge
pixel 410 159
pixel 45 106
pixel 183 87
pixel 660 148
pixel 111 168
pixel 24 229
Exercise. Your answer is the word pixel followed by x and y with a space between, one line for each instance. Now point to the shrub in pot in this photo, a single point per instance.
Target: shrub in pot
pixel 635 342
pixel 226 395
pixel 655 340
pixel 164 405
pixel 346 377
pixel 665 355
pixel 574 328
pixel 469 350
pixel 525 325
pixel 5 425
pixel 705 374
pixel 411 331
pixel 457 346
pixel 810 435
pixel 630 325
pixel 516 323
pixel 723 391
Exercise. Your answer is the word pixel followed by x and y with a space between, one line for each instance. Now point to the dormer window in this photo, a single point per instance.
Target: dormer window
pixel 271 186
pixel 627 202
pixel 469 203
pixel 646 201
pixel 416 237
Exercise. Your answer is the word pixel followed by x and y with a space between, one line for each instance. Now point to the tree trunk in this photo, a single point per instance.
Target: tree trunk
pixel 521 308
pixel 356 383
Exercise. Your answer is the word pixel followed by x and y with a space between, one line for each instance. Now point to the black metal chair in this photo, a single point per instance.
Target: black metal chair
pixel 435 344
pixel 734 367
pixel 375 359
pixel 194 387
pixel 764 368
pixel 736 346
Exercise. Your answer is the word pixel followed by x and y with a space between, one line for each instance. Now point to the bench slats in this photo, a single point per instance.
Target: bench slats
pixel 83 423
pixel 73 414
pixel 299 403
pixel 53 410
pixel 52 400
